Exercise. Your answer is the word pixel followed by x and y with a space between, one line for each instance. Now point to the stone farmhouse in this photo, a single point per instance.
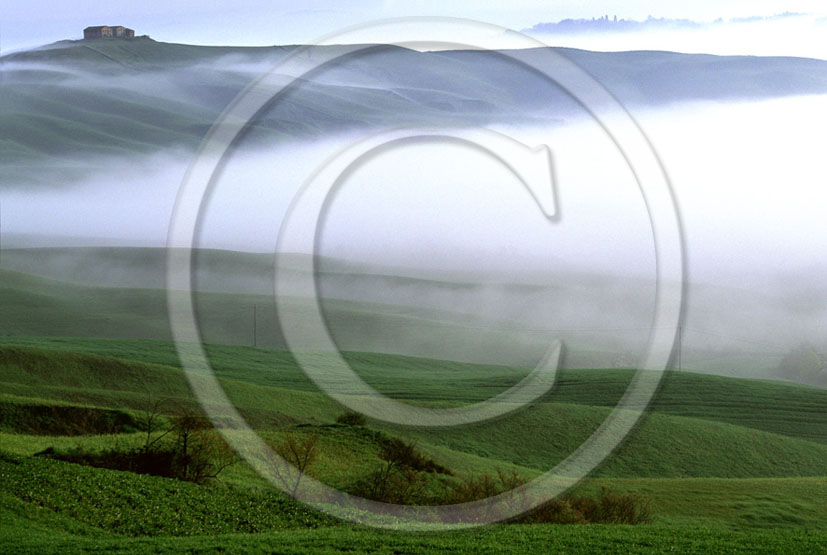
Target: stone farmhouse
pixel 108 31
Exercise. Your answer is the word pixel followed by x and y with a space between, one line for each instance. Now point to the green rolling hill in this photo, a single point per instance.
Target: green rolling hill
pixel 33 306
pixel 728 464
pixel 117 292
pixel 790 439
pixel 717 470
pixel 63 103
pixel 722 460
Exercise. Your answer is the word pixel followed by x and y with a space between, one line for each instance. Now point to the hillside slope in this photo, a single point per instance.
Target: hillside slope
pixel 468 316
pixel 537 437
pixel 121 97
pixel 34 306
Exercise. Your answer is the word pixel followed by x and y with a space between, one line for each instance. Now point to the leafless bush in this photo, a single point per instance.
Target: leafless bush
pixel 609 507
pixel 199 453
pixel 351 418
pixel 301 453
pixel 402 477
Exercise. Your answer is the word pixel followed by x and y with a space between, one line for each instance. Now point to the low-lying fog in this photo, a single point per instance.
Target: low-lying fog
pixel 789 34
pixel 748 178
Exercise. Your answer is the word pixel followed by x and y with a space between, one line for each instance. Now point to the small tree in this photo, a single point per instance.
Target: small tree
pixel 151 420
pixel 199 454
pixel 351 418
pixel 301 453
pixel 401 478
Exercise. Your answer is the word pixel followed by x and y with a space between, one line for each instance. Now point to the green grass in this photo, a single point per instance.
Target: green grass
pixel 513 539
pixel 663 445
pixel 113 383
pixel 22 444
pixel 130 504
pixel 140 505
pixel 49 505
pixel 723 460
pixel 41 307
pixel 741 504
pixel 777 407
pixel 714 485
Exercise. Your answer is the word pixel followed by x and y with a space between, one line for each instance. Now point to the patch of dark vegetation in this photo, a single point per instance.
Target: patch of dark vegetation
pixel 608 507
pixel 189 450
pixel 402 477
pixel 351 418
pixel 406 453
pixel 65 420
pixel 475 488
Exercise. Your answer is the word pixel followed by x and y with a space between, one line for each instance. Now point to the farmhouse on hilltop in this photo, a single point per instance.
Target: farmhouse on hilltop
pixel 107 31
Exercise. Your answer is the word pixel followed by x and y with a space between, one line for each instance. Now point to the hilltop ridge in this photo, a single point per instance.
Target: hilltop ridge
pixel 121 97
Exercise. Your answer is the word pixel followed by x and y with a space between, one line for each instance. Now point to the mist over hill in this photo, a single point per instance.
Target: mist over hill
pixel 96 138
pixel 510 319
pixel 62 103
pixel 178 314
pixel 614 24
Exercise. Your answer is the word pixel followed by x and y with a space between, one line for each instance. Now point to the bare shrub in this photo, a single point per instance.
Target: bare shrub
pixel 351 418
pixel 614 508
pixel 187 449
pixel 406 454
pixel 556 511
pixel 608 507
pixel 151 420
pixel 401 478
pixel 301 453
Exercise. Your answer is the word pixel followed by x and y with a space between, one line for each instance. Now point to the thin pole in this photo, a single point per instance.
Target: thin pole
pixel 255 325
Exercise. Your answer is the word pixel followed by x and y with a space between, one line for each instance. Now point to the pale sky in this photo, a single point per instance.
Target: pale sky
pixel 27 23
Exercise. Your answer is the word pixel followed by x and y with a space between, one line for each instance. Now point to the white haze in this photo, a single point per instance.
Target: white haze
pixel 748 177
pixel 794 35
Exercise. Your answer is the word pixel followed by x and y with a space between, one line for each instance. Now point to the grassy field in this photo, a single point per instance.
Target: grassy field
pixel 725 464
pixel 104 446
pixel 110 292
pixel 723 461
pixel 49 505
pixel 748 403
pixel 513 539
pixel 710 435
pixel 37 306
